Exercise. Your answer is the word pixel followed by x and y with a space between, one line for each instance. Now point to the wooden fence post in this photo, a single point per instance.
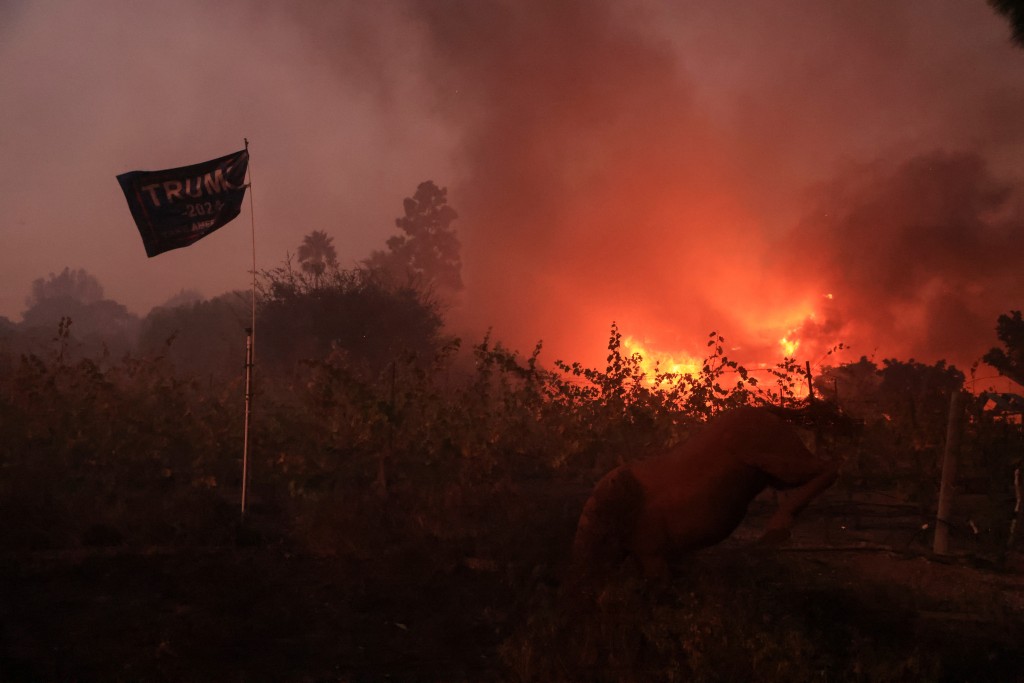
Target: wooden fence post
pixel 1018 508
pixel 941 543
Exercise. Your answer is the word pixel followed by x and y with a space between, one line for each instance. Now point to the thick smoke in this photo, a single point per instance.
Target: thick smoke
pixel 594 188
pixel 642 161
pixel 616 169
pixel 921 256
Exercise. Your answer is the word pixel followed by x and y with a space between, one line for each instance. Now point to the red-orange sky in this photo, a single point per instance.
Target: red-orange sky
pixel 678 167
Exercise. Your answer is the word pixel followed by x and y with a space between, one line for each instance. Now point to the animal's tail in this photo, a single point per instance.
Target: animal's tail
pixel 606 526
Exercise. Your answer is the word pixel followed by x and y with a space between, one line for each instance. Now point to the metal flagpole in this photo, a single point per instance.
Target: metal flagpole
pixel 250 347
pixel 248 405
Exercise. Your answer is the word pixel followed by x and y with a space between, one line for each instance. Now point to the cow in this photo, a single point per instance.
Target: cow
pixel 696 494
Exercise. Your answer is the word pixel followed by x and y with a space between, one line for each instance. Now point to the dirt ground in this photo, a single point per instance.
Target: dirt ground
pixel 237 614
pixel 261 612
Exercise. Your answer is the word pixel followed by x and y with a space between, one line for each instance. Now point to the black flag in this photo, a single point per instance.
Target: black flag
pixel 178 206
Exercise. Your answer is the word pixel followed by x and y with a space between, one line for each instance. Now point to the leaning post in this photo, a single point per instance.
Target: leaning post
pixel 941 542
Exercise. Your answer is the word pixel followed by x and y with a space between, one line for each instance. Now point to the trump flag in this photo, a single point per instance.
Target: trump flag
pixel 178 206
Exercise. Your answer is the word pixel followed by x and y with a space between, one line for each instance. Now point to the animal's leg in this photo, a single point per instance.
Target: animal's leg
pixel 650 543
pixel 797 499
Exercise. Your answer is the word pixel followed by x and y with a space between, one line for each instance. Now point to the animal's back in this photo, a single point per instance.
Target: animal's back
pixel 690 497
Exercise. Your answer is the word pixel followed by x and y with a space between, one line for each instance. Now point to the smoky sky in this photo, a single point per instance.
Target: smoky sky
pixel 925 252
pixel 677 167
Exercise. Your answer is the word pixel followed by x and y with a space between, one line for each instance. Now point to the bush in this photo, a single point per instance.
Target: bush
pixel 353 312
pixel 83 445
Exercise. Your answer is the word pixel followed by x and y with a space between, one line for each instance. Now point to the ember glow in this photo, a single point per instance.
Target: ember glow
pixel 654 362
pixel 789 346
pixel 756 353
pixel 764 341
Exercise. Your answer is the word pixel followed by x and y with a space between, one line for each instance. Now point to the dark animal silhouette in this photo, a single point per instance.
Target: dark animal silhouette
pixel 697 494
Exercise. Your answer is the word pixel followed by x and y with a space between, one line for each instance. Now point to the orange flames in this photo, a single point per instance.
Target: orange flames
pixel 789 346
pixel 660 362
pixel 793 332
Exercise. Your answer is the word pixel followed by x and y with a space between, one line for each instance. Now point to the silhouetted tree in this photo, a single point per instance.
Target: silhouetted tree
pixel 1009 361
pixel 355 312
pixel 905 409
pixel 317 255
pixel 8 333
pixel 184 297
pixel 426 255
pixel 199 336
pixel 918 394
pixel 98 324
pixel 1013 10
pixel 71 284
pixel 854 385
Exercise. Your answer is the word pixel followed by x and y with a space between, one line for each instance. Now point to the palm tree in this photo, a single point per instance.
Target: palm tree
pixel 317 254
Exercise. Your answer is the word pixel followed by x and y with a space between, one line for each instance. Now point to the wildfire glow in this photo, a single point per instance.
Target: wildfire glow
pixel 766 335
pixel 655 362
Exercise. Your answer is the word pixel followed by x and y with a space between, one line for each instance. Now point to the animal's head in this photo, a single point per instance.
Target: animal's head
pixel 815 413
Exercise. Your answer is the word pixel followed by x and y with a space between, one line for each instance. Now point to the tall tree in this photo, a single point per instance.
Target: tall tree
pixel 426 254
pixel 98 323
pixel 317 255
pixel 1009 360
pixel 1013 10
pixel 352 312
pixel 78 285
